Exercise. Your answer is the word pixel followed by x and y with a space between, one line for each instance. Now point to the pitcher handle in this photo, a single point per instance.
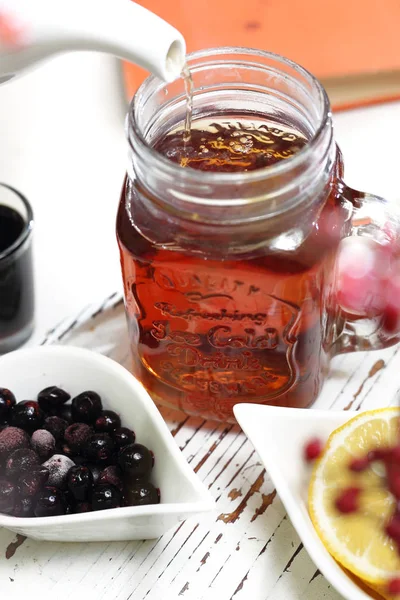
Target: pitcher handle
pixel 378 222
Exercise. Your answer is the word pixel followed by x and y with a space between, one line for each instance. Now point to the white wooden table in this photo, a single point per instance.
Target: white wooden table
pixel 62 143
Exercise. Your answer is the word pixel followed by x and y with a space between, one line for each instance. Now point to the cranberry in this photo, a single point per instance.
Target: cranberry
pixel 82 507
pixel 393 587
pixel 77 435
pixel 141 493
pixel 50 502
pixel 105 496
pixel 107 422
pixel 12 438
pixel 28 415
pixel 20 461
pixel 135 460
pixel 79 483
pixel 313 449
pixel 24 507
pixel 357 465
pixel 58 465
pixel 7 401
pixel 113 476
pixel 395 455
pixel 393 528
pixel 56 426
pixel 348 500
pixel 123 437
pixel 43 442
pixel 32 481
pixel 52 397
pixel 100 448
pixel 8 493
pixel 86 407
pixel 379 454
pixel 65 413
pixel 393 478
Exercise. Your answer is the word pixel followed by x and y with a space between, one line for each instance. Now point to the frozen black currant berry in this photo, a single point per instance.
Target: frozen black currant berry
pixel 52 397
pixel 7 401
pixel 100 448
pixel 31 482
pixel 135 460
pixel 65 412
pixel 56 426
pixel 80 483
pixel 76 435
pixel 20 461
pixel 112 475
pixel 50 502
pixel 107 422
pixel 123 437
pixel 13 438
pixel 105 496
pixel 140 493
pixel 58 466
pixel 86 407
pixel 43 442
pixel 8 495
pixel 27 415
pixel 24 507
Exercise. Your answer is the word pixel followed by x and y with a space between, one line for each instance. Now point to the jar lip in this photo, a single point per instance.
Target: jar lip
pixel 207 177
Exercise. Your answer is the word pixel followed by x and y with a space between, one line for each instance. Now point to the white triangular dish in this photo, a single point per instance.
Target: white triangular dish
pixel 278 435
pixel 183 495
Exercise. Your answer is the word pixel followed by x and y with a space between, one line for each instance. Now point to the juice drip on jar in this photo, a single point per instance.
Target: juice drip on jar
pixel 189 89
pixel 230 143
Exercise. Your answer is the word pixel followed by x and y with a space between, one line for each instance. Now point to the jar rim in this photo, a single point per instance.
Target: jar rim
pixel 209 177
pixel 28 224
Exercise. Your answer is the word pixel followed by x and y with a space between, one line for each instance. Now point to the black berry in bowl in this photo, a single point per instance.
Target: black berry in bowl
pixel 20 461
pixel 107 422
pixel 123 437
pixel 140 493
pixel 7 401
pixel 95 469
pixel 56 426
pixel 86 407
pixel 50 502
pixel 24 507
pixel 77 435
pixel 12 438
pixel 65 412
pixel 31 482
pixel 8 495
pixel 112 475
pixel 52 397
pixel 43 442
pixel 105 496
pixel 100 448
pixel 58 466
pixel 135 460
pixel 27 415
pixel 80 483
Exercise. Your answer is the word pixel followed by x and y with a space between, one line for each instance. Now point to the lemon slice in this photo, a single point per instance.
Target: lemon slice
pixel 357 540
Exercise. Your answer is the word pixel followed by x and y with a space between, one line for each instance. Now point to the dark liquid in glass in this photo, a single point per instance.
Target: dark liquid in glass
pixel 208 333
pixel 16 278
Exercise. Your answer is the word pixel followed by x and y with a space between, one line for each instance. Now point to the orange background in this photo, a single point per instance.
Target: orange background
pixel 329 37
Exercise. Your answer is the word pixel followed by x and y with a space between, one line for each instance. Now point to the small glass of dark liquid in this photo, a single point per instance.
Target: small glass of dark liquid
pixel 16 271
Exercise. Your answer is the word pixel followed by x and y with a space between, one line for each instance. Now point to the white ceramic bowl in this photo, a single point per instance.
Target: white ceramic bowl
pixel 278 435
pixel 28 371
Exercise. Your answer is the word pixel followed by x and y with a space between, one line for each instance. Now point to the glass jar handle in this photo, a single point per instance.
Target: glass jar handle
pixel 373 218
